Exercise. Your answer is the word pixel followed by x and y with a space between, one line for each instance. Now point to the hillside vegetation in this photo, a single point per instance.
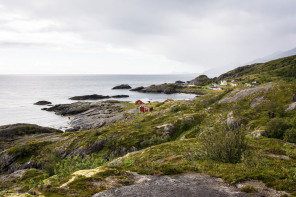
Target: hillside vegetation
pixel 280 69
pixel 239 134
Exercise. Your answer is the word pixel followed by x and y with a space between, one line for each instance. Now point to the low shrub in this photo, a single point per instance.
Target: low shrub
pixel 290 135
pixel 224 146
pixel 276 128
pixel 178 108
pixel 72 164
pixel 248 189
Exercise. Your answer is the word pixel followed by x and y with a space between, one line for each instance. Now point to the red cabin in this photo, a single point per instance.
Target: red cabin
pixel 145 109
pixel 139 102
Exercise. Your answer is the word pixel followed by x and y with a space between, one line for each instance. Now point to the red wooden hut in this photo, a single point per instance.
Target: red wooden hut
pixel 145 109
pixel 139 102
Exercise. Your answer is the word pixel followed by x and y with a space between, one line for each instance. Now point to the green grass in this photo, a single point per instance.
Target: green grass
pixel 186 156
pixel 165 153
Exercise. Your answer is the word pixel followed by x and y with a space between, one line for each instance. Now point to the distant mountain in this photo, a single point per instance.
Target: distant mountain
pixel 274 56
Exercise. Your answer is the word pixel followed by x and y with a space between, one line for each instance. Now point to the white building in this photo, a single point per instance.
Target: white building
pixel 233 84
pixel 215 85
pixel 216 88
pixel 223 83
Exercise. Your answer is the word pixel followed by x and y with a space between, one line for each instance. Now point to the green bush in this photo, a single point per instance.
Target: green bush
pixel 290 135
pixel 154 140
pixel 276 128
pixel 248 189
pixel 224 146
pixel 72 164
pixel 50 163
pixel 182 107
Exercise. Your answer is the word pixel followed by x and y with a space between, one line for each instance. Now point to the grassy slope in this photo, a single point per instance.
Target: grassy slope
pixel 178 156
pixel 167 154
pixel 284 68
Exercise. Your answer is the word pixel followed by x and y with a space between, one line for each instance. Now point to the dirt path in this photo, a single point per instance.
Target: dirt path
pixel 186 185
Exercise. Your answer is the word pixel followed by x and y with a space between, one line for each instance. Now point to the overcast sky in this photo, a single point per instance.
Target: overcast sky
pixel 140 36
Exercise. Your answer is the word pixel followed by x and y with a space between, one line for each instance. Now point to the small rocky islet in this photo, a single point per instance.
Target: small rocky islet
pixel 115 150
pixel 122 86
pixel 43 103
pixel 96 97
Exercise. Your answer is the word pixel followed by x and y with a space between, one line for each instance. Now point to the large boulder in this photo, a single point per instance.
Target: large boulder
pixel 237 95
pixel 291 107
pixel 166 129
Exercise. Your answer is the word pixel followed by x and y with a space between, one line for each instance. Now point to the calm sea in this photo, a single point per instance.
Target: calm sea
pixel 19 92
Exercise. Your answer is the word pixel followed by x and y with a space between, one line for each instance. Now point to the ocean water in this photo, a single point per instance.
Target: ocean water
pixel 18 93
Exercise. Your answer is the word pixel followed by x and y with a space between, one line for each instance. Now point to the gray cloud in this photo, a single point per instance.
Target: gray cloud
pixel 201 34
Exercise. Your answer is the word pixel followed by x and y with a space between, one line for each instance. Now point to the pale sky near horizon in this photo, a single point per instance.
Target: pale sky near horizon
pixel 141 37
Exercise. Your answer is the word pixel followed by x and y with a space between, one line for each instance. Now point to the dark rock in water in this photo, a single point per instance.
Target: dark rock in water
pixel 42 103
pixel 9 132
pixel 44 108
pixel 122 86
pixel 89 97
pixel 179 82
pixel 120 96
pixel 137 88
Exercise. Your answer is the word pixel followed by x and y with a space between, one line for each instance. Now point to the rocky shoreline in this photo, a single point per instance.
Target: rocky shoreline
pixel 166 88
pixel 90 115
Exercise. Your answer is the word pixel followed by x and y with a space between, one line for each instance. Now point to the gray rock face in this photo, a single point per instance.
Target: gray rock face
pixel 257 101
pixel 188 185
pixel 86 115
pixel 71 109
pixel 167 129
pixel 122 86
pixel 96 117
pixel 291 107
pixel 239 95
